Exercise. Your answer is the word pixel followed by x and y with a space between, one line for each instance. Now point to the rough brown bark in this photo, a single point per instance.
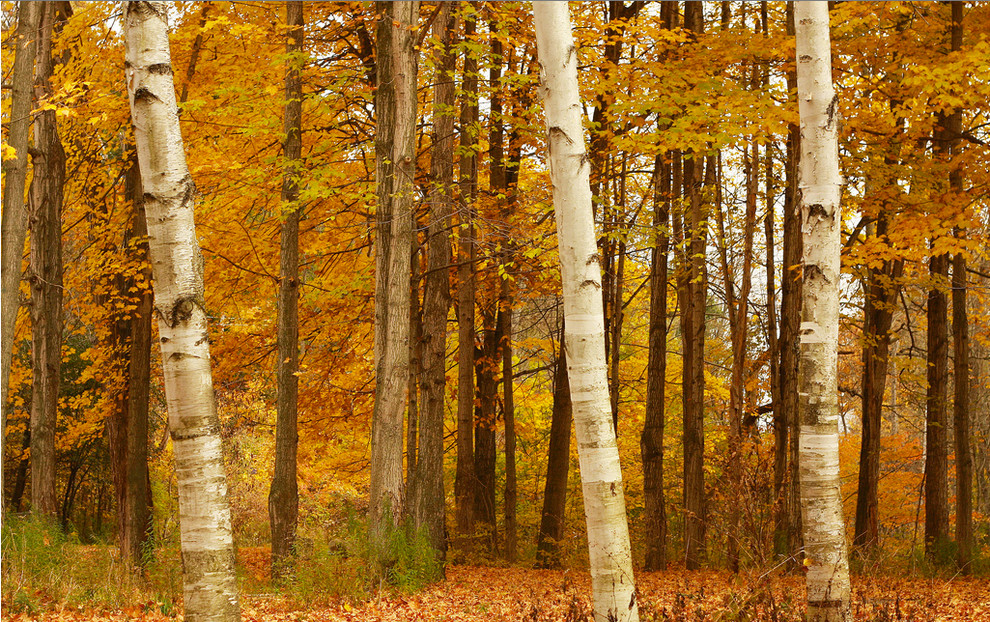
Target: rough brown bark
pixel 936 428
pixel 882 287
pixel 127 426
pixel 509 419
pixel 960 339
pixel 283 496
pixel 651 440
pixel 415 357
pixel 395 129
pixel 558 461
pixel 484 435
pixel 48 158
pixel 738 309
pixel 15 215
pixel 429 512
pixel 464 475
pixel 612 247
pixel 693 289
pixel 790 323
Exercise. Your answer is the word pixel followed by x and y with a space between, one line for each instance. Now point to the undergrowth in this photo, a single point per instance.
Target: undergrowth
pixel 42 568
pixel 356 565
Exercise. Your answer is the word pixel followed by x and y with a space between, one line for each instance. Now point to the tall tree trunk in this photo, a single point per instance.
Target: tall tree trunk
pixel 820 189
pixel 283 496
pixel 15 214
pixel 614 304
pixel 464 477
pixel 395 133
pixel 693 288
pixel 773 340
pixel 127 426
pixel 509 419
pixel 612 583
pixel 20 477
pixel 47 183
pixel 936 434
pixel 484 433
pixel 738 308
pixel 651 440
pixel 791 292
pixel 169 195
pixel 558 461
pixel 415 357
pixel 960 339
pixel 429 512
pixel 882 288
pixel 618 15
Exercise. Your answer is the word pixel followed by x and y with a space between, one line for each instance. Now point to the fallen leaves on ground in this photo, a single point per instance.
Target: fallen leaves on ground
pixel 483 594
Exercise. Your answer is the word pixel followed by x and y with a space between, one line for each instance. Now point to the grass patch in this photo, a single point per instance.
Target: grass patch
pixel 43 568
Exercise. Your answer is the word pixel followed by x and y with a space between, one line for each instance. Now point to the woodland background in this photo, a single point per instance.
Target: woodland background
pixel 654 89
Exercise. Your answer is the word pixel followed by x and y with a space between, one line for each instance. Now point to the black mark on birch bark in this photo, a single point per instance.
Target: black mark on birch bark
pixel 181 311
pixel 556 132
pixel 160 69
pixel 830 111
pixel 142 93
pixel 817 209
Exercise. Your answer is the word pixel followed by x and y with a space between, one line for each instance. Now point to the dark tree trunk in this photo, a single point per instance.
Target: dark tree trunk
pixel 509 418
pixel 960 415
pixel 395 155
pixel 283 497
pixel 46 276
pixel 651 441
pixel 464 478
pixel 882 288
pixel 790 323
pixel 15 216
pixel 127 427
pixel 693 288
pixel 558 460
pixel 484 436
pixel 779 424
pixel 415 357
pixel 936 432
pixel 960 339
pixel 429 512
pixel 20 478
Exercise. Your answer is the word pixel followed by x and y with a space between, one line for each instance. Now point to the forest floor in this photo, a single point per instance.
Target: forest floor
pixel 477 594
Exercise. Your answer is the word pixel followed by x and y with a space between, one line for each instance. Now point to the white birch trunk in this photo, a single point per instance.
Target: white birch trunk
pixel 210 591
pixel 613 590
pixel 820 188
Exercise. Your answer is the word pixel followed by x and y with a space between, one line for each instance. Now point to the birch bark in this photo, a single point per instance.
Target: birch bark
pixel 820 187
pixel 210 590
pixel 613 591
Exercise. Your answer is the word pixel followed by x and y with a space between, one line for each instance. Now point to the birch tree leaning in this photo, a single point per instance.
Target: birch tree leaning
pixel 210 590
pixel 613 590
pixel 820 188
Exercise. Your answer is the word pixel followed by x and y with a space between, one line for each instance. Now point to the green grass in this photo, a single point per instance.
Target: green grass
pixel 43 568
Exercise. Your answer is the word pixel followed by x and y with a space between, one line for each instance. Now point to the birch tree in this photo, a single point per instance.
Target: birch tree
pixel 210 590
pixel 820 187
pixel 613 591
